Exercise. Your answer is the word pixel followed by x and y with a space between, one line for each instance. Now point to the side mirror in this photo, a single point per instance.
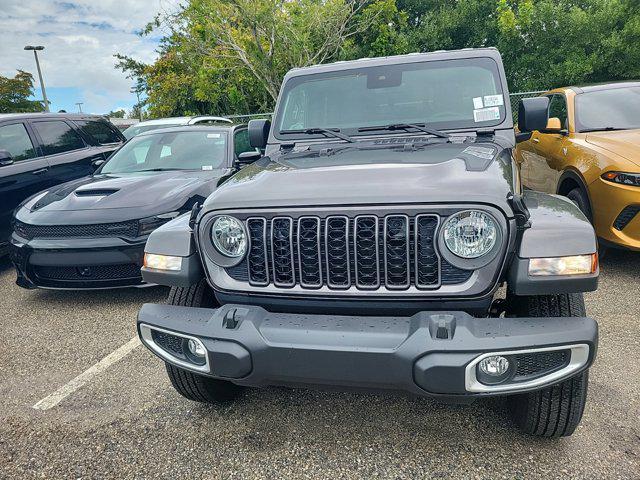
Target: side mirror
pixel 259 133
pixel 533 114
pixel 251 156
pixel 98 163
pixel 5 158
pixel 554 125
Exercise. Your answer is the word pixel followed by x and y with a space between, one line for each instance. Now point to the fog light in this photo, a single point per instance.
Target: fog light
pixel 196 349
pixel 162 262
pixel 494 369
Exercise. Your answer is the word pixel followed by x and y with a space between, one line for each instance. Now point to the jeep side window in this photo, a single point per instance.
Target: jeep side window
pixel 558 109
pixel 57 137
pixel 15 139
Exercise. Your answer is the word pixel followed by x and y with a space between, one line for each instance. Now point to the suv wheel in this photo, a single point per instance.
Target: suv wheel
pixel 581 200
pixel 193 386
pixel 554 411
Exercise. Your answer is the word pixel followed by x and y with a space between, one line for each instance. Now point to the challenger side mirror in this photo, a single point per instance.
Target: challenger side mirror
pixel 259 133
pixel 533 114
pixel 5 158
pixel 251 156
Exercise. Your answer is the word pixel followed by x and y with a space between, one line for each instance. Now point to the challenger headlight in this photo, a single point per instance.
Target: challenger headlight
pixel 149 224
pixel 632 179
pixel 470 234
pixel 229 237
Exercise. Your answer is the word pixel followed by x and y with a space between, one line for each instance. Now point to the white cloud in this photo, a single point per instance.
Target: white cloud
pixel 80 39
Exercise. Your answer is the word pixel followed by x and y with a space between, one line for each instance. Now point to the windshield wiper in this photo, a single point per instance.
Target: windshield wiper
pixel 162 170
pixel 333 132
pixel 603 129
pixel 406 126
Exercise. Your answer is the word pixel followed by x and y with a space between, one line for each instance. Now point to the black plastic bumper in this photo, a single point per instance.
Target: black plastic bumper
pixel 78 263
pixel 426 354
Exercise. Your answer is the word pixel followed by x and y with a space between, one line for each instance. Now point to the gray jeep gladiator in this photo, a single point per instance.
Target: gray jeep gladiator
pixel 367 248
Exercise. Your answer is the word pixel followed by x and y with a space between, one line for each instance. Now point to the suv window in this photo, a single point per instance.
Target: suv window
pixel 242 144
pixel 100 130
pixel 57 137
pixel 15 139
pixel 558 109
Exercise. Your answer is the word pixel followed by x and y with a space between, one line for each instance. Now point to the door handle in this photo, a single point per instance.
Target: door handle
pixel 536 140
pixel 41 171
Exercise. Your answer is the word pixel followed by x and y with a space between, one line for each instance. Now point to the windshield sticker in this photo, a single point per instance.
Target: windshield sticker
pixel 213 135
pixel 207 167
pixel 493 100
pixel 486 114
pixel 477 103
pixel 480 152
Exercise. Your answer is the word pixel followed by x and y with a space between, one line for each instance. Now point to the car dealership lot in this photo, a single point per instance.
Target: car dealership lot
pixel 126 421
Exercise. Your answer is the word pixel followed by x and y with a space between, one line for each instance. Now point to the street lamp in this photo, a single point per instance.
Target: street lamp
pixel 35 53
pixel 79 104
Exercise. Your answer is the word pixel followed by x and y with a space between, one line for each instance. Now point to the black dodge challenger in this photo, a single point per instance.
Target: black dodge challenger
pixel 90 233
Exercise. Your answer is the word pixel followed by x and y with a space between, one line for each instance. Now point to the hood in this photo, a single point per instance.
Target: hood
pixel 625 143
pixel 143 192
pixel 455 173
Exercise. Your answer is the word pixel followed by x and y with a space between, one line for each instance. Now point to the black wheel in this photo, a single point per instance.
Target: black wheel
pixel 554 411
pixel 579 197
pixel 193 386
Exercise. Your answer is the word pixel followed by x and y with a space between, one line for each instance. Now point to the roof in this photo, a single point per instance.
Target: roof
pixel 178 120
pixel 397 59
pixel 189 128
pixel 39 115
pixel 605 86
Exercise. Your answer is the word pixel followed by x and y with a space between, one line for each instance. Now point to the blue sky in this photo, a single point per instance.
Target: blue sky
pixel 80 39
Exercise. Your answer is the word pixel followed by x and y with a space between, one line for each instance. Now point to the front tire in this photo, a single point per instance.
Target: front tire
pixel 554 411
pixel 193 386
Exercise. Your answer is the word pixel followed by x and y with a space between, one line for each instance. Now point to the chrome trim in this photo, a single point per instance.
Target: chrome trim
pixel 273 262
pixel 304 284
pixel 579 358
pixel 435 248
pixel 147 339
pixel 408 258
pixel 264 241
pixel 355 251
pixel 326 251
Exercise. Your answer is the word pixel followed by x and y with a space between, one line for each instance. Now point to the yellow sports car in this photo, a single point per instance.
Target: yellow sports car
pixel 590 152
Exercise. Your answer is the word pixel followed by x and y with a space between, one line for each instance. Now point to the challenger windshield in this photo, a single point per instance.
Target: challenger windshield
pixel 195 150
pixel 443 94
pixel 615 109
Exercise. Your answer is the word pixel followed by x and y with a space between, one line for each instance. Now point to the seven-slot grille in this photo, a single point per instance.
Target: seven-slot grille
pixel 395 251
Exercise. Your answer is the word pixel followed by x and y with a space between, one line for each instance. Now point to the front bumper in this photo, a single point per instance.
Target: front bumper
pixel 608 200
pixel 77 263
pixel 429 353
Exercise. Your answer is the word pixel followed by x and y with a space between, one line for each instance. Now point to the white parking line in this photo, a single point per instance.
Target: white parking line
pixel 86 376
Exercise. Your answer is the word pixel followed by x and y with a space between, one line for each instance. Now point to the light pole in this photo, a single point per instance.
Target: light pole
pixel 44 92
pixel 135 90
pixel 79 106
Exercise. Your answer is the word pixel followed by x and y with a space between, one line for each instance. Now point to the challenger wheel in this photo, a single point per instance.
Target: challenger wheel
pixel 554 411
pixel 193 386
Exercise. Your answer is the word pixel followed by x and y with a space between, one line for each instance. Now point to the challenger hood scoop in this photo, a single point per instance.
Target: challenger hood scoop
pixel 95 192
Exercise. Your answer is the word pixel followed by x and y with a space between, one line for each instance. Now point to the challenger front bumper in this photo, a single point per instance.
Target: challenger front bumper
pixel 430 353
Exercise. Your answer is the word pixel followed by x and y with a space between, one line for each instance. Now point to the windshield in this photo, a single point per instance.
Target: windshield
pixel 197 150
pixel 134 130
pixel 618 108
pixel 444 94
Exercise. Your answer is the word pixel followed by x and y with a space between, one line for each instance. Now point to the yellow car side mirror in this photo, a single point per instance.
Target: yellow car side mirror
pixel 554 124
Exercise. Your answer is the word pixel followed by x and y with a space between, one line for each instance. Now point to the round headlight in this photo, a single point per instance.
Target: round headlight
pixel 470 234
pixel 229 237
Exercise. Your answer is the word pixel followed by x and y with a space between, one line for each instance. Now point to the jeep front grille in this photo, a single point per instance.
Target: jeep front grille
pixel 396 251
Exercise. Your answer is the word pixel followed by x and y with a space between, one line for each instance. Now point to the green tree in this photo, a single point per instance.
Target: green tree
pixel 15 93
pixel 116 113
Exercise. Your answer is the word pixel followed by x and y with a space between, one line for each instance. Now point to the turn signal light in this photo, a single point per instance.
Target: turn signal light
pixel 572 265
pixel 162 262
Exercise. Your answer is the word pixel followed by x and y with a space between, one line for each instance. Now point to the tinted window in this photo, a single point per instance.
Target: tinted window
pixel 242 142
pixel 197 150
pixel 15 139
pixel 618 108
pixel 57 137
pixel 102 131
pixel 444 94
pixel 558 109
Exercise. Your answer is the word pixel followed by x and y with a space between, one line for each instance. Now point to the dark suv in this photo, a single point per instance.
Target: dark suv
pixel 367 247
pixel 39 150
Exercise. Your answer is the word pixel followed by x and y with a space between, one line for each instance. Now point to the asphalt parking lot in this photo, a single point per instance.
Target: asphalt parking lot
pixel 127 422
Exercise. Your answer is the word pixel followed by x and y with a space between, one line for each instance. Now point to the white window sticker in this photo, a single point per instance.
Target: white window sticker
pixel 480 152
pixel 213 135
pixel 493 100
pixel 486 114
pixel 477 103
pixel 207 167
